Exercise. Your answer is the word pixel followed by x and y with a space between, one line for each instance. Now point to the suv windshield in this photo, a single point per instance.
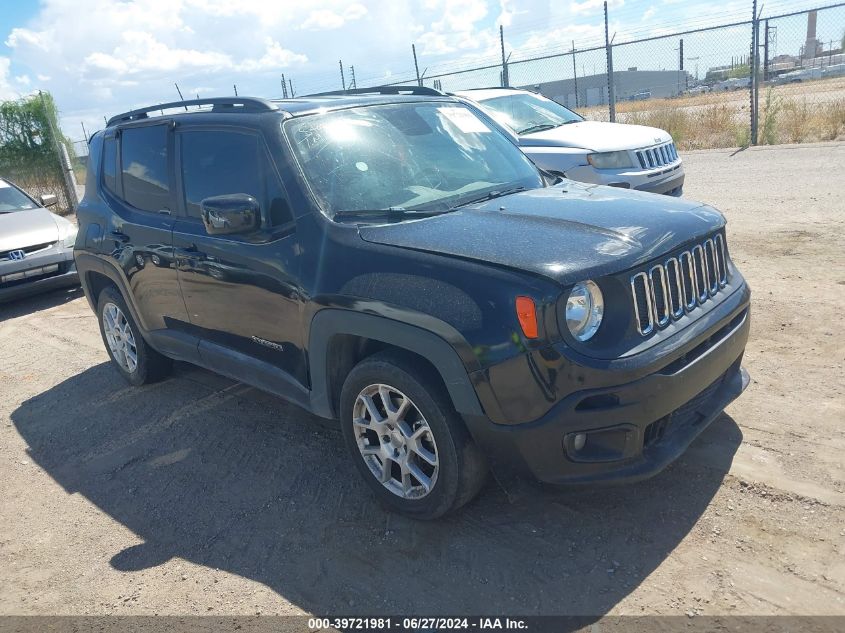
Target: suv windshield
pixel 431 156
pixel 525 112
pixel 13 200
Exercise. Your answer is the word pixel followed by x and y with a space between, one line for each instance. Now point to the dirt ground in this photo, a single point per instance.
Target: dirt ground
pixel 201 496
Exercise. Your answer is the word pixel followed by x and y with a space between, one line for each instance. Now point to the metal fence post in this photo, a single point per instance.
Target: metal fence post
pixel 505 78
pixel 68 177
pixel 342 78
pixel 752 68
pixel 766 53
pixel 574 74
pixel 611 92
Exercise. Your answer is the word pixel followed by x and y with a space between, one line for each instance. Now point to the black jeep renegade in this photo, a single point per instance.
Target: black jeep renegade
pixel 392 261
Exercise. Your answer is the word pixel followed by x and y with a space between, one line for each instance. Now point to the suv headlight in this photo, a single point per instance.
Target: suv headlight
pixel 584 310
pixel 610 160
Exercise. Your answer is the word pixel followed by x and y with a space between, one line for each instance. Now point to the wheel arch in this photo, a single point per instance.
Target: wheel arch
pixel 339 339
pixel 95 275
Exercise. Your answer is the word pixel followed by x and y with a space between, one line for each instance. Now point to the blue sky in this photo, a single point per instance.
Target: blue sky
pixel 99 57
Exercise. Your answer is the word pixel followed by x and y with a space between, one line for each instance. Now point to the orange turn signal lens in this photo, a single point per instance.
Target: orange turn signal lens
pixel 526 312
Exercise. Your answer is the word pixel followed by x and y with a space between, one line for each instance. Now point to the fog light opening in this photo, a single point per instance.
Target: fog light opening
pixel 579 441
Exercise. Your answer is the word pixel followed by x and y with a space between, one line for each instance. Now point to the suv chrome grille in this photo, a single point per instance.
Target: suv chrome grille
pixel 668 291
pixel 658 156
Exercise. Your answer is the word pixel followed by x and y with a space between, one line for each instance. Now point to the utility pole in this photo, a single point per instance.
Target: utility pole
pixel 680 63
pixel 766 53
pixel 342 78
pixel 416 65
pixel 575 74
pixel 611 92
pixel 752 65
pixel 505 78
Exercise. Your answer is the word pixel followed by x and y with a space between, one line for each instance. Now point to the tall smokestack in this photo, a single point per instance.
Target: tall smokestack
pixel 811 45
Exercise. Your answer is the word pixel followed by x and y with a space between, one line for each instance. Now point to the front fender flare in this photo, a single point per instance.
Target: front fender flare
pixel 330 322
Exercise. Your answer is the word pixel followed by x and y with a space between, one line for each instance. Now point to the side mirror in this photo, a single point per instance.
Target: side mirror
pixel 48 200
pixel 234 213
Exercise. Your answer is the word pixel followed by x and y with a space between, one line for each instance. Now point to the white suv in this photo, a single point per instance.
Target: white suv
pixel 563 142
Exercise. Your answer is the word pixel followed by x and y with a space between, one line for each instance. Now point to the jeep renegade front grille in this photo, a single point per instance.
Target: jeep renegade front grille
pixel 667 292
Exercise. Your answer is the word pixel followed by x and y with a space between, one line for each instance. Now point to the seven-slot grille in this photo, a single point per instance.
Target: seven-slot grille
pixel 668 291
pixel 657 156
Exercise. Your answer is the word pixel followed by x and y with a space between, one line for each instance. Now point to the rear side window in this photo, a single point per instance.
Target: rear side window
pixel 144 173
pixel 222 162
pixel 110 164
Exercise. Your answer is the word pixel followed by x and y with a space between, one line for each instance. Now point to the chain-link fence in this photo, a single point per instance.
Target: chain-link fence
pixel 34 154
pixel 764 79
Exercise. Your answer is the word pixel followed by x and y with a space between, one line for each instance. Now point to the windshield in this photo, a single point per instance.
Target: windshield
pixel 526 112
pixel 429 156
pixel 13 200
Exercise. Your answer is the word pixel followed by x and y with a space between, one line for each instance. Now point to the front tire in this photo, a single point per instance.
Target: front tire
pixel 406 439
pixel 136 361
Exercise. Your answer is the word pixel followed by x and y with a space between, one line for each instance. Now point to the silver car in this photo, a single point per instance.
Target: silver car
pixel 561 141
pixel 36 246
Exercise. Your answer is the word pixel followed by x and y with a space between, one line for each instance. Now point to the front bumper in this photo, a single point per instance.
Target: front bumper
pixel 633 428
pixel 49 269
pixel 668 179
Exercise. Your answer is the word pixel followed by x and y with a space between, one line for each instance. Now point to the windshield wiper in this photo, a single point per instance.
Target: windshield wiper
pixel 491 195
pixel 391 213
pixel 541 127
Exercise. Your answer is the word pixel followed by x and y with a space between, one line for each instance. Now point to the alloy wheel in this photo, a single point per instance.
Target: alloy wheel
pixel 119 337
pixel 395 441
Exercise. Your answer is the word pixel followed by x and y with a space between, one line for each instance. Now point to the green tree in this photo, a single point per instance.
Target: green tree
pixel 30 135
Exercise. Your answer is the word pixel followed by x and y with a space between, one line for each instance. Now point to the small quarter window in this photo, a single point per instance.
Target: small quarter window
pixel 144 172
pixel 110 164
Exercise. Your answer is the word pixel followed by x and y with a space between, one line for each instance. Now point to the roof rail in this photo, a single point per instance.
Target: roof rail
pixel 383 90
pixel 219 104
pixel 493 88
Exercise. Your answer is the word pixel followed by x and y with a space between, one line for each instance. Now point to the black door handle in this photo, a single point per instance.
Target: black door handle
pixel 119 236
pixel 190 253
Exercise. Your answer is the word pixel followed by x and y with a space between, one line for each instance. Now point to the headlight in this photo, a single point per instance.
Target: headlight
pixel 611 160
pixel 584 310
pixel 69 238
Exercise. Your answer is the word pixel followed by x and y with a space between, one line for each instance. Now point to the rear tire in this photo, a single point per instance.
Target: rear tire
pixel 414 452
pixel 136 361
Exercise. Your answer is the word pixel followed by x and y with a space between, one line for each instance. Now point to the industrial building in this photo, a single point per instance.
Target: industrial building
pixel 631 84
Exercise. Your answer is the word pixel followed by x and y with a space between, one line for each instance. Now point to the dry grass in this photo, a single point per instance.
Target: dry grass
pixel 795 113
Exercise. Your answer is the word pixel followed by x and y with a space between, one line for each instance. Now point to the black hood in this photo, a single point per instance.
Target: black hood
pixel 568 232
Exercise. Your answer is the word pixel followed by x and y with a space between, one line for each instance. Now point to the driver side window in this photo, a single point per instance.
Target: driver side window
pixel 221 162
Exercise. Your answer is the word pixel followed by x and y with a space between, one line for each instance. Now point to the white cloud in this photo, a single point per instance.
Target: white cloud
pixel 456 30
pixel 6 91
pixel 12 87
pixel 327 19
pixel 141 52
pixel 592 6
pixel 25 37
pixel 275 58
